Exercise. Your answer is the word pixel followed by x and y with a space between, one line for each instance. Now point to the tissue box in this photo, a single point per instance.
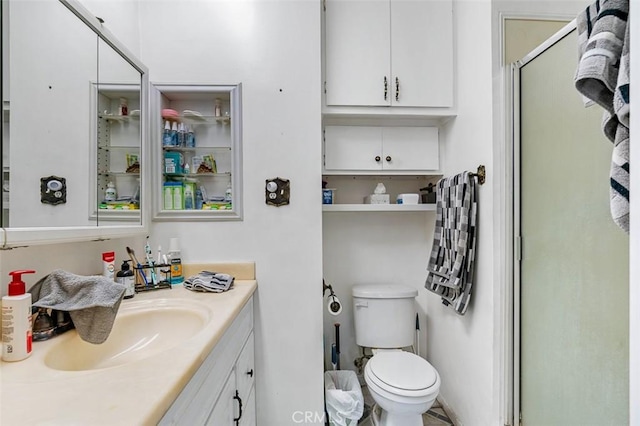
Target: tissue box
pixel 328 195
pixel 407 199
pixel 377 199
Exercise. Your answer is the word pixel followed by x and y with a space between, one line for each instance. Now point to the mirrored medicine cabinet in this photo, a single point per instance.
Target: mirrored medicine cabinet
pixel 75 112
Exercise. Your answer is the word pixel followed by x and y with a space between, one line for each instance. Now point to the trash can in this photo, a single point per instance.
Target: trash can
pixel 343 397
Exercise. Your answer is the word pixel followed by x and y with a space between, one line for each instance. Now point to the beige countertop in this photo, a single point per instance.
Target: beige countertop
pixel 138 392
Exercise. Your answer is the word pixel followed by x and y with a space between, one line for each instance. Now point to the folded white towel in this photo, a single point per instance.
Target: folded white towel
pixel 92 301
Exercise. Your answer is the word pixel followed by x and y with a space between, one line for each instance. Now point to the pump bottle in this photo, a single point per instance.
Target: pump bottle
pixel 125 276
pixel 16 319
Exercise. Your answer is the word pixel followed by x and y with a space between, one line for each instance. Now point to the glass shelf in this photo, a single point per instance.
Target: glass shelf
pixel 194 149
pixel 119 118
pixel 134 174
pixel 195 175
pixel 198 119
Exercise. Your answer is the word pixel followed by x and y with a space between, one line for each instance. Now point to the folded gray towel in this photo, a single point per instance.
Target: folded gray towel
pixel 212 282
pixel 92 301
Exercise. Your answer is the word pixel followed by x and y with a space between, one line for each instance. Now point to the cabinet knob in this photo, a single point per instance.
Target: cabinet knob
pixel 388 158
pixel 250 373
pixel 377 158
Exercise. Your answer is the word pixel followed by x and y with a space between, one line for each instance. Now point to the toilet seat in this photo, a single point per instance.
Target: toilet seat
pixel 402 374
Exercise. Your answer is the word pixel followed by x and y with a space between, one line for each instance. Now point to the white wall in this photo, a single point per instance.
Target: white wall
pixel 273 49
pixel 461 347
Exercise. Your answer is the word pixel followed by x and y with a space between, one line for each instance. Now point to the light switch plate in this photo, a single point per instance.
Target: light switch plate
pixel 277 191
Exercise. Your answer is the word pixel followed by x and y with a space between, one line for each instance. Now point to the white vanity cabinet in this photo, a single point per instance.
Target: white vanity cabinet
pixel 389 53
pixel 361 149
pixel 222 391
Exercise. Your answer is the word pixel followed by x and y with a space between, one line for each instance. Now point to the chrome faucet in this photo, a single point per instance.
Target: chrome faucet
pixel 47 325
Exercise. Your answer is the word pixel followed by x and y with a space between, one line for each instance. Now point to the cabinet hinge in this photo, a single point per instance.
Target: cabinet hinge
pixel 324 5
pixel 325 87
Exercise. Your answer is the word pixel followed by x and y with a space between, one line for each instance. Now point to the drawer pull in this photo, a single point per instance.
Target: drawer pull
pixel 386 86
pixel 237 397
pixel 250 373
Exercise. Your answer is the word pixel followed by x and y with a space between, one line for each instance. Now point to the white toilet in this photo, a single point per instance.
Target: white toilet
pixel 401 383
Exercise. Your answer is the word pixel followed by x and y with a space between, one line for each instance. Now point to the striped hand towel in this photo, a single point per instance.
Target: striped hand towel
pixel 603 77
pixel 451 264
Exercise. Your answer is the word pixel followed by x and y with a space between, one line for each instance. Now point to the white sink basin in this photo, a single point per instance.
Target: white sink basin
pixel 141 329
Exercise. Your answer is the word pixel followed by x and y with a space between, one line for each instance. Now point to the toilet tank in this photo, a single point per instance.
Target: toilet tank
pixel 384 315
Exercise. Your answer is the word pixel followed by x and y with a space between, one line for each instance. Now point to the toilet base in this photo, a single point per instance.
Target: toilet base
pixel 380 417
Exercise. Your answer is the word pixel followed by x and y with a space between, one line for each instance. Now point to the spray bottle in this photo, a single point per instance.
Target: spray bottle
pixel 16 319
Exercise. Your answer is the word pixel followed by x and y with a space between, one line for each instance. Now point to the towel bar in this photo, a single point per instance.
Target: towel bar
pixel 480 174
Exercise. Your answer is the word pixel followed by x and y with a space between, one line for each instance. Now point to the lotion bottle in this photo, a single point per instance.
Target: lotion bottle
pixel 17 335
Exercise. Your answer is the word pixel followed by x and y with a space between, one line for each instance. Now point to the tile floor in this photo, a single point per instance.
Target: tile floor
pixel 434 417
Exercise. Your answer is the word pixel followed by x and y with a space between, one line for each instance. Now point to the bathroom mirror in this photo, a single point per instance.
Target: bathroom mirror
pixel 74 118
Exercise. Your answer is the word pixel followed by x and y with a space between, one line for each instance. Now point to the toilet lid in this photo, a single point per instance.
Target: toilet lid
pixel 403 370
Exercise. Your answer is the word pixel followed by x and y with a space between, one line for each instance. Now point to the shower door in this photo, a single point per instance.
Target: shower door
pixel 573 277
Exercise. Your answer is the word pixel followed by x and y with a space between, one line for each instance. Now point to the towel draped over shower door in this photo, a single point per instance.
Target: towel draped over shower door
pixel 451 264
pixel 602 76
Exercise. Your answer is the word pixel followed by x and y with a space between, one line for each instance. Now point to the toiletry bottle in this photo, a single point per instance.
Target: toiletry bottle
pixel 227 195
pixel 16 319
pixel 218 108
pixel 191 138
pixel 174 134
pixel 166 134
pixel 124 107
pixel 199 200
pixel 108 265
pixel 125 276
pixel 176 262
pixel 188 196
pixel 182 135
pixel 110 194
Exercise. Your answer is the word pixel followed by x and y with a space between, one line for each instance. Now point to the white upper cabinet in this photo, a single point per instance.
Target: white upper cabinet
pixel 389 53
pixel 381 150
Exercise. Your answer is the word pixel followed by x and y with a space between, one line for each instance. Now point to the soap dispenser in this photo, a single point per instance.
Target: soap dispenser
pixel 16 319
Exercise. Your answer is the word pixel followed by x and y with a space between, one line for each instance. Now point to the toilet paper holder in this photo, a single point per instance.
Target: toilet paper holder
pixel 334 306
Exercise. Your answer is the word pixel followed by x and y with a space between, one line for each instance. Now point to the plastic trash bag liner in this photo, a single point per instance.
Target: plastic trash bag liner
pixel 343 397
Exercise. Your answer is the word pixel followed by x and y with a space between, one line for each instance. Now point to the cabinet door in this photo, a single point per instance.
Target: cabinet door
pixel 410 148
pixel 352 148
pixel 245 373
pixel 422 53
pixel 249 416
pixel 357 44
pixel 224 411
